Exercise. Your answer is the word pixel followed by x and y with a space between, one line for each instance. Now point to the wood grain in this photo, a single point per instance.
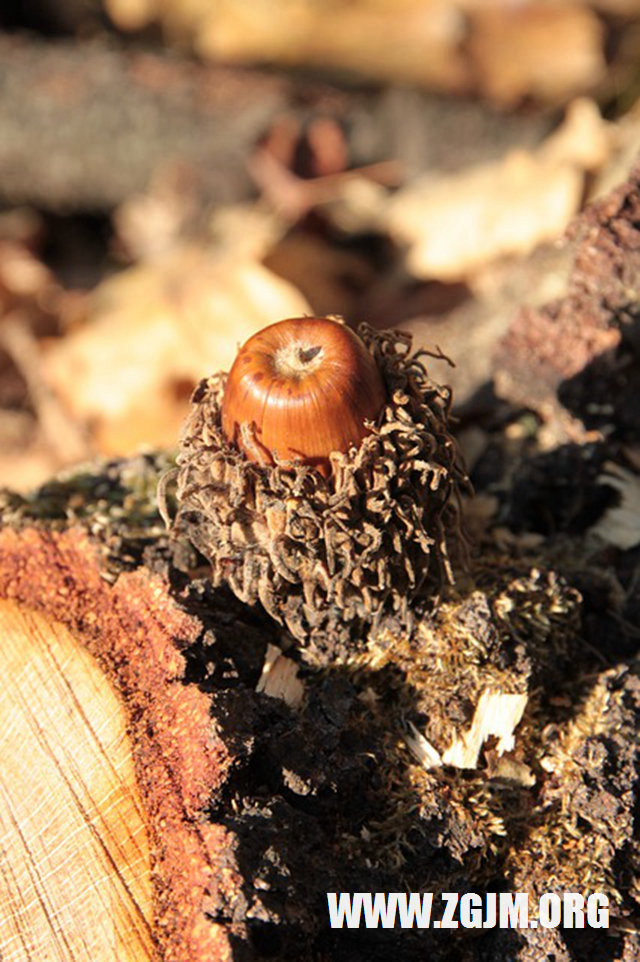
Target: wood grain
pixel 137 634
pixel 74 857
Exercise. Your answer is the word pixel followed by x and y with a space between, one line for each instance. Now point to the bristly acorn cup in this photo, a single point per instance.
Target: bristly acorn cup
pixel 320 479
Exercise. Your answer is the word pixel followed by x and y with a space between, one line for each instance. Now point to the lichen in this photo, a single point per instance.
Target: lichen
pixel 329 558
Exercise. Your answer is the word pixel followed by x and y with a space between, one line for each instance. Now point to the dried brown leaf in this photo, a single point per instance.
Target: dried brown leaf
pixel 151 332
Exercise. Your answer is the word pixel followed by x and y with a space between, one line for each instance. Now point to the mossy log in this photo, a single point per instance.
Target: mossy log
pixel 157 802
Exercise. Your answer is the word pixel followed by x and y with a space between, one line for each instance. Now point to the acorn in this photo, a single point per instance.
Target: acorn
pixel 307 386
pixel 320 479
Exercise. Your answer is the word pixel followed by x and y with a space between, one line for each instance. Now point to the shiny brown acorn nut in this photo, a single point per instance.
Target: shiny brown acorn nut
pixel 307 386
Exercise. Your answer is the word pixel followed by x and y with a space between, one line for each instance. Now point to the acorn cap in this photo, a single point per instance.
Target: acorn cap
pixel 328 558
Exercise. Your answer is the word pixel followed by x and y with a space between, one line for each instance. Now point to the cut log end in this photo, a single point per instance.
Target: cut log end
pixel 75 869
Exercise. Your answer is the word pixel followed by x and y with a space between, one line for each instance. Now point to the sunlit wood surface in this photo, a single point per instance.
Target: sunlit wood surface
pixel 74 859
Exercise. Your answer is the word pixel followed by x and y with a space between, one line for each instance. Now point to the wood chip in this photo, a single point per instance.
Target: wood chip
pixel 496 714
pixel 279 678
pixel 620 524
pixel 422 749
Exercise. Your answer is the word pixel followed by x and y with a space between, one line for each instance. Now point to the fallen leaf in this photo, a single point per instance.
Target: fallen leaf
pixel 454 224
pixel 152 332
pixel 412 41
pixel 548 51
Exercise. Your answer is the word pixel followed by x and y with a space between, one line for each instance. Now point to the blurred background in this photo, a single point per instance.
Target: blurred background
pixel 175 174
